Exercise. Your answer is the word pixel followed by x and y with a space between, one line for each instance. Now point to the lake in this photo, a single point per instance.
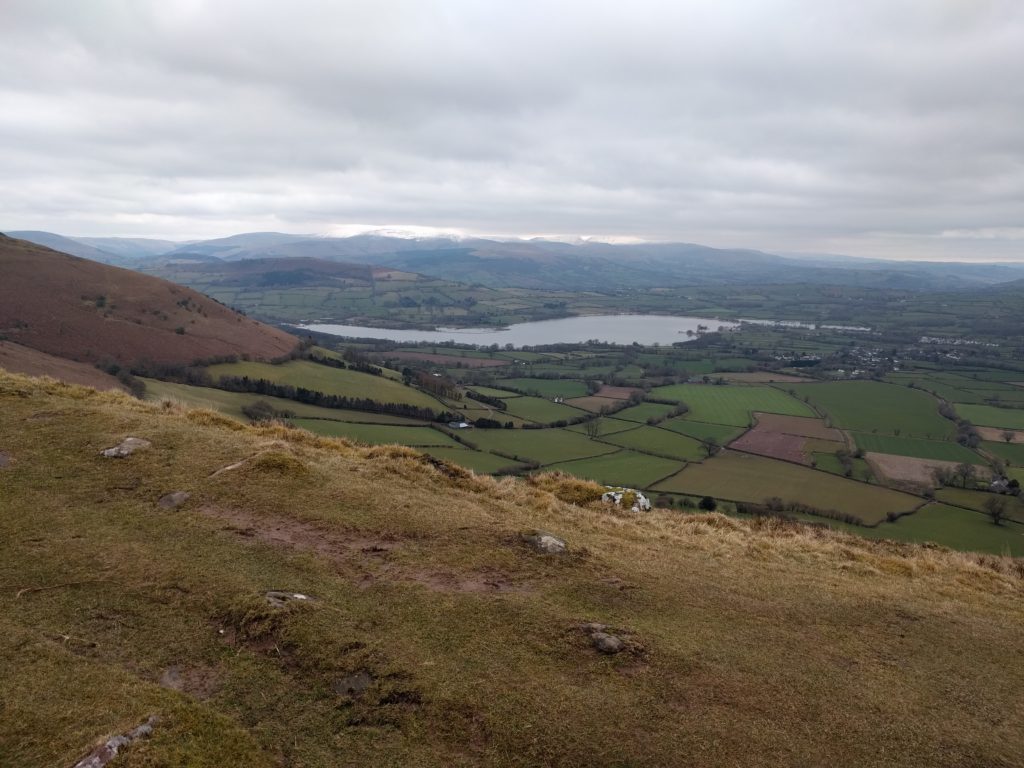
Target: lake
pixel 616 329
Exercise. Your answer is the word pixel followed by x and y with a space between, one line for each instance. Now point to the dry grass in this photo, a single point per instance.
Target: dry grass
pixel 753 643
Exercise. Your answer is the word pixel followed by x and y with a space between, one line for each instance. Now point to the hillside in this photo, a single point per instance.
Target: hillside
pixel 90 312
pixel 32 362
pixel 429 634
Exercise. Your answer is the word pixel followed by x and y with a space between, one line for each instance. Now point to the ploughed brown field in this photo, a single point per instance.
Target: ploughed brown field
pixel 785 437
pixel 90 312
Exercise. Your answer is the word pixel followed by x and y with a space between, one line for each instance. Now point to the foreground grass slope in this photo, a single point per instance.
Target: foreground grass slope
pixel 752 643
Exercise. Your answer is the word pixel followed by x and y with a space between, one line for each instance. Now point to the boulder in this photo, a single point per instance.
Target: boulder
pixel 545 543
pixel 126 447
pixel 605 643
pixel 173 500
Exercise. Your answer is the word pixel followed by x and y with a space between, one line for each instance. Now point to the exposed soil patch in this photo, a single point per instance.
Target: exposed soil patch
pixel 475 582
pixel 369 554
pixel 330 543
pixel 198 682
pixel 905 469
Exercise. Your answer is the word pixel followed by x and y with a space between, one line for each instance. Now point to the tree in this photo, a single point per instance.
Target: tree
pixel 965 472
pixel 711 446
pixel 592 428
pixel 1008 435
pixel 995 508
pixel 708 504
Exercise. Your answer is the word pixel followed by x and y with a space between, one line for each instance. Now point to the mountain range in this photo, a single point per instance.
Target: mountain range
pixel 543 264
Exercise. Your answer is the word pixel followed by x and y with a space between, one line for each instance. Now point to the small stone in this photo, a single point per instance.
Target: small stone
pixel 127 447
pixel 354 684
pixel 606 643
pixel 592 626
pixel 279 599
pixel 173 500
pixel 545 543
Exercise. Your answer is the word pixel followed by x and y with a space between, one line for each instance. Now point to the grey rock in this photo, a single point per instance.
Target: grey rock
pixel 5 459
pixel 106 752
pixel 545 543
pixel 606 643
pixel 279 599
pixel 592 626
pixel 354 684
pixel 173 500
pixel 126 447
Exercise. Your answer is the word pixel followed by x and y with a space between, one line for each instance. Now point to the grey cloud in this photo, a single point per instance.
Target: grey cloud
pixel 874 128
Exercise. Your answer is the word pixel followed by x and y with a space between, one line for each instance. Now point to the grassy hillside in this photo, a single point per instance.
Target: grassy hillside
pixel 434 637
pixel 91 312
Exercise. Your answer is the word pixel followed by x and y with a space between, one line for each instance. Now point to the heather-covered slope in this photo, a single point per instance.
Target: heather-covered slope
pixel 86 311
pixel 434 637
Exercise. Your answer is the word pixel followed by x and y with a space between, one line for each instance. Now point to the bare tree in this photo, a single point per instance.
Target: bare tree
pixel 965 472
pixel 711 446
pixel 1008 435
pixel 995 508
pixel 592 428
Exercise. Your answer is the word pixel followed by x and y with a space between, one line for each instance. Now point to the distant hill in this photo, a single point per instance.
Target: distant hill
pixel 595 266
pixel 580 265
pixel 130 247
pixel 69 245
pixel 82 310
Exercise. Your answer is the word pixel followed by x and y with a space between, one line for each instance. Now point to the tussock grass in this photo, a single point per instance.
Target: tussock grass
pixel 765 643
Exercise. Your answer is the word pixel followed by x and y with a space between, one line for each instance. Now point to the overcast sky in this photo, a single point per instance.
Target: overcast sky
pixel 887 128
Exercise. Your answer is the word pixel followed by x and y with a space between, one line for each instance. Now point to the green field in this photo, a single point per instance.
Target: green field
pixel 1012 453
pixel 964 497
pixel 702 430
pixel 911 446
pixel 376 434
pixel 541 411
pixel 541 445
pixel 659 441
pixel 731 404
pixel 548 387
pixel 628 468
pixel 876 407
pixel 332 381
pixel 740 477
pixel 501 394
pixel 954 528
pixel 478 461
pixel 990 416
pixel 231 403
pixel 829 462
pixel 644 411
pixel 606 425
